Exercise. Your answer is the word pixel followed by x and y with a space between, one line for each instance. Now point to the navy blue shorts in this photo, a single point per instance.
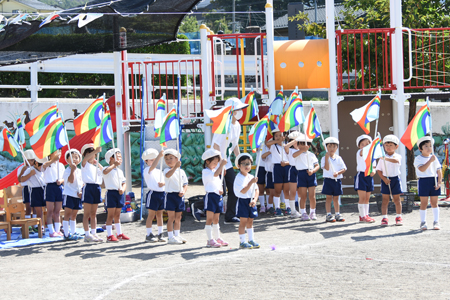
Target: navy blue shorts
pixel 292 174
pixel 304 180
pixel 37 197
pixel 261 175
pixel 332 187
pixel 363 183
pixel 155 200
pixel 53 192
pixel 280 174
pixel 72 202
pixel 213 203
pixel 91 194
pixel 396 186
pixel 114 200
pixel 173 202
pixel 426 187
pixel 269 181
pixel 26 194
pixel 244 210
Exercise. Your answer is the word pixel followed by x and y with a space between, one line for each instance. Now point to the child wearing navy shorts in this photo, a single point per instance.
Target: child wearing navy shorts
pixel 388 168
pixel 175 191
pixel 262 179
pixel 268 165
pixel 115 199
pixel 428 170
pixel 307 165
pixel 291 148
pixel 73 184
pixel 154 200
pixel 91 173
pixel 213 198
pixel 333 167
pixel 53 177
pixel 247 193
pixel 30 157
pixel 363 184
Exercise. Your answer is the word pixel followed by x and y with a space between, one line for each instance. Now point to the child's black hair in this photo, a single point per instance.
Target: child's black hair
pixel 209 160
pixel 88 150
pixel 422 144
pixel 242 158
pixel 292 146
pixel 362 140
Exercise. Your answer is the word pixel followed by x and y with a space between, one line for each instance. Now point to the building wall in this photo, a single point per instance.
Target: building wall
pixel 9 7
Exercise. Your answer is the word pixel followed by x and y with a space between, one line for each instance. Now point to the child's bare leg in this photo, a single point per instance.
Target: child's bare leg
pixel 312 197
pixel 171 220
pixel 86 215
pixel 50 209
pixel 27 209
pixel 93 216
pixel 384 204
pixel 150 217
pixel 110 217
pixel 328 200
pixel 159 218
pixel 57 212
pixel 302 192
pixel 336 204
pixel 67 214
pixel 177 224
pixel 398 204
pixel 242 225
pixel 210 216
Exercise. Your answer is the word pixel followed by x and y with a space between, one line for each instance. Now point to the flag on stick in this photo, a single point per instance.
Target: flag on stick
pixel 372 152
pixel 8 143
pixel 220 118
pixel 91 118
pixel 258 133
pixel 293 116
pixel 49 139
pixel 417 128
pixel 251 110
pixel 170 128
pixel 102 134
pixel 42 120
pixel 159 114
pixel 312 129
pixel 368 113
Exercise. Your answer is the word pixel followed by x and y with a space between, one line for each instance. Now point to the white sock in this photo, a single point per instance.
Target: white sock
pixel 303 211
pixel 398 215
pixel 66 228
pixel 337 213
pixel 312 210
pixel 73 226
pixel 436 213
pixel 27 216
pixel 118 229
pixel 269 205
pixel 34 216
pixel 86 233
pixel 328 213
pixel 57 226
pixel 208 229
pixel 170 234
pixel 50 228
pixel 216 231
pixel 423 215
pixel 276 202
pixel 149 230
pixel 361 210
pixel 282 197
pixel 292 205
pixel 109 230
pixel 250 234
pixel 160 229
pixel 262 201
pixel 242 238
pixel 384 216
pixel 366 207
pixel 176 232
pixel 93 231
pixel 287 204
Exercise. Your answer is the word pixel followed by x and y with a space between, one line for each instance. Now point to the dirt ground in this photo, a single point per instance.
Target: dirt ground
pixel 312 260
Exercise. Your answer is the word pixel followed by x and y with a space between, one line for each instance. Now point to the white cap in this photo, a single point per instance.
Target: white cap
pixel 210 153
pixel 425 139
pixel 330 140
pixel 236 103
pixel 390 138
pixel 293 135
pixel 74 151
pixel 150 154
pixel 42 160
pixel 29 154
pixel 87 146
pixel 362 137
pixel 275 130
pixel 236 161
pixel 173 152
pixel 302 137
pixel 110 154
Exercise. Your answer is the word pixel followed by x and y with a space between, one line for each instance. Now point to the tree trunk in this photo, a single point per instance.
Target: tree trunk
pixel 410 153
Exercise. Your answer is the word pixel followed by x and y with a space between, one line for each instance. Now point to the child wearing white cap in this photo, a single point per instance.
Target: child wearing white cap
pixel 363 184
pixel 115 199
pixel 268 165
pixel 73 184
pixel 388 168
pixel 261 174
pixel 30 157
pixel 428 170
pixel 154 200
pixel 213 166
pixel 175 191
pixel 291 148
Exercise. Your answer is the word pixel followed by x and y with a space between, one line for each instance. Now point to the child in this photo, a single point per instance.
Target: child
pixel 268 165
pixel 388 169
pixel 91 173
pixel 73 183
pixel 427 167
pixel 213 198
pixel 363 184
pixel 262 179
pixel 154 203
pixel 53 178
pixel 115 199
pixel 247 193
pixel 307 165
pixel 175 190
pixel 30 157
pixel 291 148
pixel 333 167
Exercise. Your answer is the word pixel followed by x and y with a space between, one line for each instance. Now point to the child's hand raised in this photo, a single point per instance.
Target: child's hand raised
pixel 432 158
pixel 33 172
pixel 178 164
pixel 254 180
pixel 223 162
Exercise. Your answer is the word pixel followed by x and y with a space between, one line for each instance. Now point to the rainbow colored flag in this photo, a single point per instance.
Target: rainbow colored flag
pixel 19 135
pixel 294 95
pixel 170 128
pixel 221 119
pixel 42 120
pixel 293 116
pixel 372 152
pixel 417 128
pixel 273 121
pixel 312 129
pixel 251 110
pixel 8 143
pixel 159 114
pixel 103 134
pixel 49 139
pixel 277 104
pixel 258 133
pixel 91 118
pixel 368 113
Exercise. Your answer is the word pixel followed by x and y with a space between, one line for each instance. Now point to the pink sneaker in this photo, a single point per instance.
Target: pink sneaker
pixel 362 219
pixel 398 221
pixel 54 234
pixel 212 243
pixel 262 209
pixel 221 242
pixel 384 222
pixel 369 219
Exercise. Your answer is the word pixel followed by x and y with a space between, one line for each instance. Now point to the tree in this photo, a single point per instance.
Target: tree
pixel 189 24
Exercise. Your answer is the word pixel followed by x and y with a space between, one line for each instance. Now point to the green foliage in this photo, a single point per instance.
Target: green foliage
pixel 310 28
pixel 189 24
pixel 65 3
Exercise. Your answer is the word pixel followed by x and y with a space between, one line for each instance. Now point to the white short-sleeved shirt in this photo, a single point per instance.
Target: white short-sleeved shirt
pixel 259 153
pixel 153 178
pixel 301 161
pixel 360 162
pixel 37 180
pixel 392 169
pixel 88 174
pixel 338 164
pixel 420 160
pixel 25 183
pixel 114 179
pixel 241 182
pixel 268 163
pixel 233 138
pixel 52 174
pixel 173 182
pixel 290 156
pixel 72 189
pixel 211 183
pixel 277 153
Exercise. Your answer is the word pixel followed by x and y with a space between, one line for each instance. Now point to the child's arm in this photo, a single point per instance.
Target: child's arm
pixel 327 162
pixel 73 168
pixel 253 202
pixel 266 154
pixel 391 160
pixel 170 173
pixel 341 171
pixel 110 167
pixel 316 168
pixel 91 155
pixel 385 180
pixel 25 167
pixel 183 191
pixel 297 153
pixel 222 164
pixel 156 161
pixel 53 160
pixel 270 143
pixel 288 145
pixel 425 166
pixel 249 185
pixel 28 176
pixel 123 188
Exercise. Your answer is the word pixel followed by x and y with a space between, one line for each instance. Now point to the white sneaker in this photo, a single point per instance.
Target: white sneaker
pixel 174 240
pixel 99 239
pixel 423 225
pixel 90 239
pixel 295 214
pixel 181 239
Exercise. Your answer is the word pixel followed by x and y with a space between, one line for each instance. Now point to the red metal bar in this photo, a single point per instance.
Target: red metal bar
pixel 354 54
pixel 193 88
pixel 153 85
pixel 237 66
pixel 368 54
pixel 173 84
pixel 376 60
pixel 443 55
pixel 339 60
pixel 213 78
pixel 132 91
pixel 390 79
pixel 201 85
pixel 348 65
pixel 264 91
pixel 362 63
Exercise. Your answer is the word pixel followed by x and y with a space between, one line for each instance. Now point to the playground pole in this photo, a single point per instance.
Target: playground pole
pixel 270 51
pixel 205 82
pixel 118 102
